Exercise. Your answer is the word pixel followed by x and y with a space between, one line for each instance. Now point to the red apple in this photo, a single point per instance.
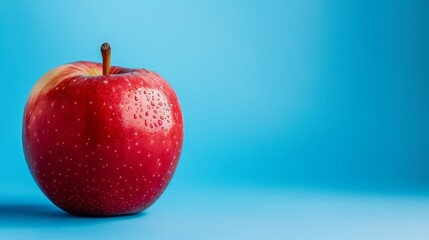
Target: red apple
pixel 101 140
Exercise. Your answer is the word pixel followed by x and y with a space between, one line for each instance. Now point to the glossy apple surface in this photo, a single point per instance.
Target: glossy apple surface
pixel 102 145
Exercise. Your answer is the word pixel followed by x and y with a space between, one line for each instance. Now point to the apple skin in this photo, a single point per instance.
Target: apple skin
pixel 102 145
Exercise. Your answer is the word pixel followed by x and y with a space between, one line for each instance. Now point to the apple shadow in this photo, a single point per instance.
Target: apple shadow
pixel 23 215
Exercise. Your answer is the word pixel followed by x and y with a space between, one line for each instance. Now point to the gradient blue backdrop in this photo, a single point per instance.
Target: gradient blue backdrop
pixel 325 94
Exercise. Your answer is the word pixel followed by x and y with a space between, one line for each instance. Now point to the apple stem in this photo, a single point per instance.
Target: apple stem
pixel 105 52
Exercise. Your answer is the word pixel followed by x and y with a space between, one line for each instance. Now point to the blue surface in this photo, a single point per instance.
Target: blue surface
pixel 232 213
pixel 278 97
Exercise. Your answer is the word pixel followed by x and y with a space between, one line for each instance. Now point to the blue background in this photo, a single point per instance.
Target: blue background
pixel 298 114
